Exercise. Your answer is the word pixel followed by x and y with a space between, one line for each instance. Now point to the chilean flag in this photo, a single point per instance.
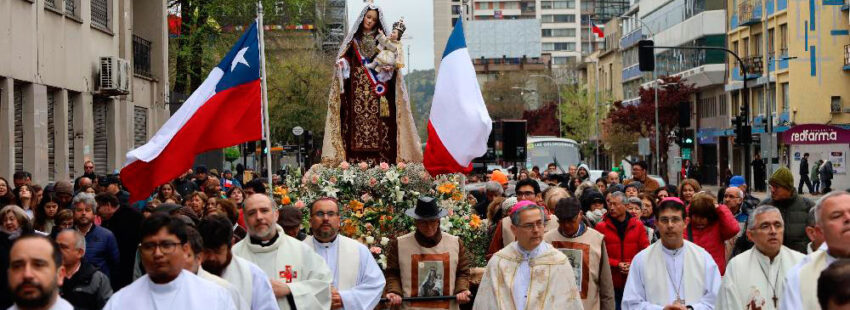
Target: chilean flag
pixel 225 110
pixel 459 124
pixel 596 30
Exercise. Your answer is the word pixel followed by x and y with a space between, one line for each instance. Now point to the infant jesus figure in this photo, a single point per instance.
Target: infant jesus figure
pixel 390 52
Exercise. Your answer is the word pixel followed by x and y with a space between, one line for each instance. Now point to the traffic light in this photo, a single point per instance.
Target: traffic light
pixel 263 147
pixel 646 55
pixel 743 132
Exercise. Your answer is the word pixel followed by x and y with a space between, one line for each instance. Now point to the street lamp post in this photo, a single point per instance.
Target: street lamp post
pixel 558 87
pixel 655 80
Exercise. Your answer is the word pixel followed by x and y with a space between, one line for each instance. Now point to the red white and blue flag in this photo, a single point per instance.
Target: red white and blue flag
pixel 596 30
pixel 225 110
pixel 459 124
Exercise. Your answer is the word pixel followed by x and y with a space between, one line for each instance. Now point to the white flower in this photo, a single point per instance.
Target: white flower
pixel 385 241
pixel 445 224
pixel 391 175
pixel 382 259
pixel 348 176
pixel 330 191
pixel 399 194
pixel 370 239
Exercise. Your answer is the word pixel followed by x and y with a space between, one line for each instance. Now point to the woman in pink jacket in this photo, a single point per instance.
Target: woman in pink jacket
pixel 710 225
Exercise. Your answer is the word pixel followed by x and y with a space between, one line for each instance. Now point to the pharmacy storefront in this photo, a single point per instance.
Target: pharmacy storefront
pixel 822 142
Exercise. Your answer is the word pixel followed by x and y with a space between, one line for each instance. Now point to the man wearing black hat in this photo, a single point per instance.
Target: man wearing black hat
pixel 593 274
pixel 290 219
pixel 201 175
pixel 410 257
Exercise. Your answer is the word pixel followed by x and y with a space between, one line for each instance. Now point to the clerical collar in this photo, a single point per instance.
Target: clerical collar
pixel 262 243
pixel 428 242
pixel 672 252
pixel 527 255
pixel 171 286
pixel 325 245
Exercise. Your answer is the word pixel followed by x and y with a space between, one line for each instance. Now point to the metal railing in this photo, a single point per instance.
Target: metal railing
pixel 755 64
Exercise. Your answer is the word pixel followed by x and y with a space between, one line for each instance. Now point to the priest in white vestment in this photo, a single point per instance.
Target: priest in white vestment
pixel 252 283
pixel 167 285
pixel 832 213
pixel 357 280
pixel 528 273
pixel 193 265
pixel 754 279
pixel 656 277
pixel 299 277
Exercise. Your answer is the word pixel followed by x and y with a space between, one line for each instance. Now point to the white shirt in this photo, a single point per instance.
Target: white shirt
pixel 634 294
pixel 751 277
pixel 187 291
pixel 254 285
pixel 791 298
pixel 370 279
pixel 60 304
pixel 523 275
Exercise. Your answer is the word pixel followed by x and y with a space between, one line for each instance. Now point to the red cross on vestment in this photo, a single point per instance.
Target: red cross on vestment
pixel 288 274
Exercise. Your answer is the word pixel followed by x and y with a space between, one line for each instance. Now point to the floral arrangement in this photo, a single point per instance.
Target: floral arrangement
pixel 374 199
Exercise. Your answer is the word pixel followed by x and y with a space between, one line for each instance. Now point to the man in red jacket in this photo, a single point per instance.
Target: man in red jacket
pixel 625 236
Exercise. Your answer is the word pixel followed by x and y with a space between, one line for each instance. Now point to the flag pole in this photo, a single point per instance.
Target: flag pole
pixel 266 120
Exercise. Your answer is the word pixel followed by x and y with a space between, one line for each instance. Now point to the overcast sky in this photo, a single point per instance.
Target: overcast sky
pixel 419 19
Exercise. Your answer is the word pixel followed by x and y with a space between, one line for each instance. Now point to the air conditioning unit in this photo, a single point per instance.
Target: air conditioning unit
pixel 114 76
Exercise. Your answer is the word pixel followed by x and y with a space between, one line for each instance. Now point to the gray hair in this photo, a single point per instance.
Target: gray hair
pixel 80 243
pixel 86 198
pixel 581 187
pixel 740 191
pixel 614 172
pixel 635 200
pixel 811 220
pixel 619 195
pixel 18 212
pixel 819 204
pixel 515 215
pixel 493 187
pixel 760 210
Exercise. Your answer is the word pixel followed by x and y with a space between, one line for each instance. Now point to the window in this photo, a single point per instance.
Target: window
pixel 140 125
pixel 141 57
pixel 454 21
pixel 785 97
pixel 50 4
pixel 783 39
pixel 559 46
pixel 511 6
pixel 71 8
pixel 566 32
pixel 569 4
pixel 485 5
pixel 770 42
pixel 561 60
pixel 757 44
pixel 456 9
pixel 100 13
pixel 72 98
pixel 560 18
pixel 51 134
pixel 18 98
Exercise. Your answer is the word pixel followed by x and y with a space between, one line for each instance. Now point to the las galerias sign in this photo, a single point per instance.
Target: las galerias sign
pixel 815 134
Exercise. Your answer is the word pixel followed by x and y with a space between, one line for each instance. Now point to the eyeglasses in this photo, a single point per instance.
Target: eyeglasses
pixel 166 247
pixel 321 214
pixel 733 196
pixel 531 226
pixel 670 220
pixel 765 227
pixel 524 194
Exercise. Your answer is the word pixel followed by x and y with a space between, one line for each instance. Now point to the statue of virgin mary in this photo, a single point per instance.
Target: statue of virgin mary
pixel 368 120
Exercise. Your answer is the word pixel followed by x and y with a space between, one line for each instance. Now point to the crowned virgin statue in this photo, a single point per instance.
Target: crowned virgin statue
pixel 369 116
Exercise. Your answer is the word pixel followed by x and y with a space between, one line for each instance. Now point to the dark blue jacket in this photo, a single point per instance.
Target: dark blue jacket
pixel 102 249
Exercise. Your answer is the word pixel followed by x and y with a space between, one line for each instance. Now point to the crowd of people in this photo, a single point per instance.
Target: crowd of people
pixel 557 241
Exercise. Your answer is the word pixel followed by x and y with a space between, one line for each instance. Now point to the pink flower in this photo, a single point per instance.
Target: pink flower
pixel 368 226
pixel 385 167
pixel 363 166
pixel 333 180
pixel 451 212
pixel 373 182
pixel 366 198
pixel 401 166
pixel 375 250
pixel 405 180
pixel 424 175
pixel 299 205
pixel 314 179
pixel 344 165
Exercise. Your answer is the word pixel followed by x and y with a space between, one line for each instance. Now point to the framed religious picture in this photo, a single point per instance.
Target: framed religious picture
pixel 579 256
pixel 430 276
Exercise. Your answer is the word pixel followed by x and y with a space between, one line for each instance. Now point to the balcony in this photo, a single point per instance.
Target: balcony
pixel 783 58
pixel 755 64
pixel 749 12
pixel 846 58
pixel 632 38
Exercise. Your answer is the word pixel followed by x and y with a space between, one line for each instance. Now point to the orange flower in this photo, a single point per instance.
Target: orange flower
pixel 474 221
pixel 348 228
pixel 285 200
pixel 457 196
pixel 446 188
pixel 355 205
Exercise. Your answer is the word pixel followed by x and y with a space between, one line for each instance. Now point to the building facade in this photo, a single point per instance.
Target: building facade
pixel 61 103
pixel 797 59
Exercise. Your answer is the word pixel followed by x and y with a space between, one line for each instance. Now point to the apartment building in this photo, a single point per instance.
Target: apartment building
pixel 79 80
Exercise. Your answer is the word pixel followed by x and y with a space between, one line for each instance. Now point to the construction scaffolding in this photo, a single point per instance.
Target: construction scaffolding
pixel 333 20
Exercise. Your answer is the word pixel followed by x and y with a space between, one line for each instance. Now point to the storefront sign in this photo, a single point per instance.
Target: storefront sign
pixel 837 160
pixel 815 134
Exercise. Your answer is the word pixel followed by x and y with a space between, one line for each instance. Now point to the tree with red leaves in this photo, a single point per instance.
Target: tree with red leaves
pixel 640 118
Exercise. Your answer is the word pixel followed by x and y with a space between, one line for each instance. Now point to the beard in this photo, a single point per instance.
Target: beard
pixel 40 300
pixel 215 267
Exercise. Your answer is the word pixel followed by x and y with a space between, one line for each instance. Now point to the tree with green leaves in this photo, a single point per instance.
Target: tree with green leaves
pixel 579 116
